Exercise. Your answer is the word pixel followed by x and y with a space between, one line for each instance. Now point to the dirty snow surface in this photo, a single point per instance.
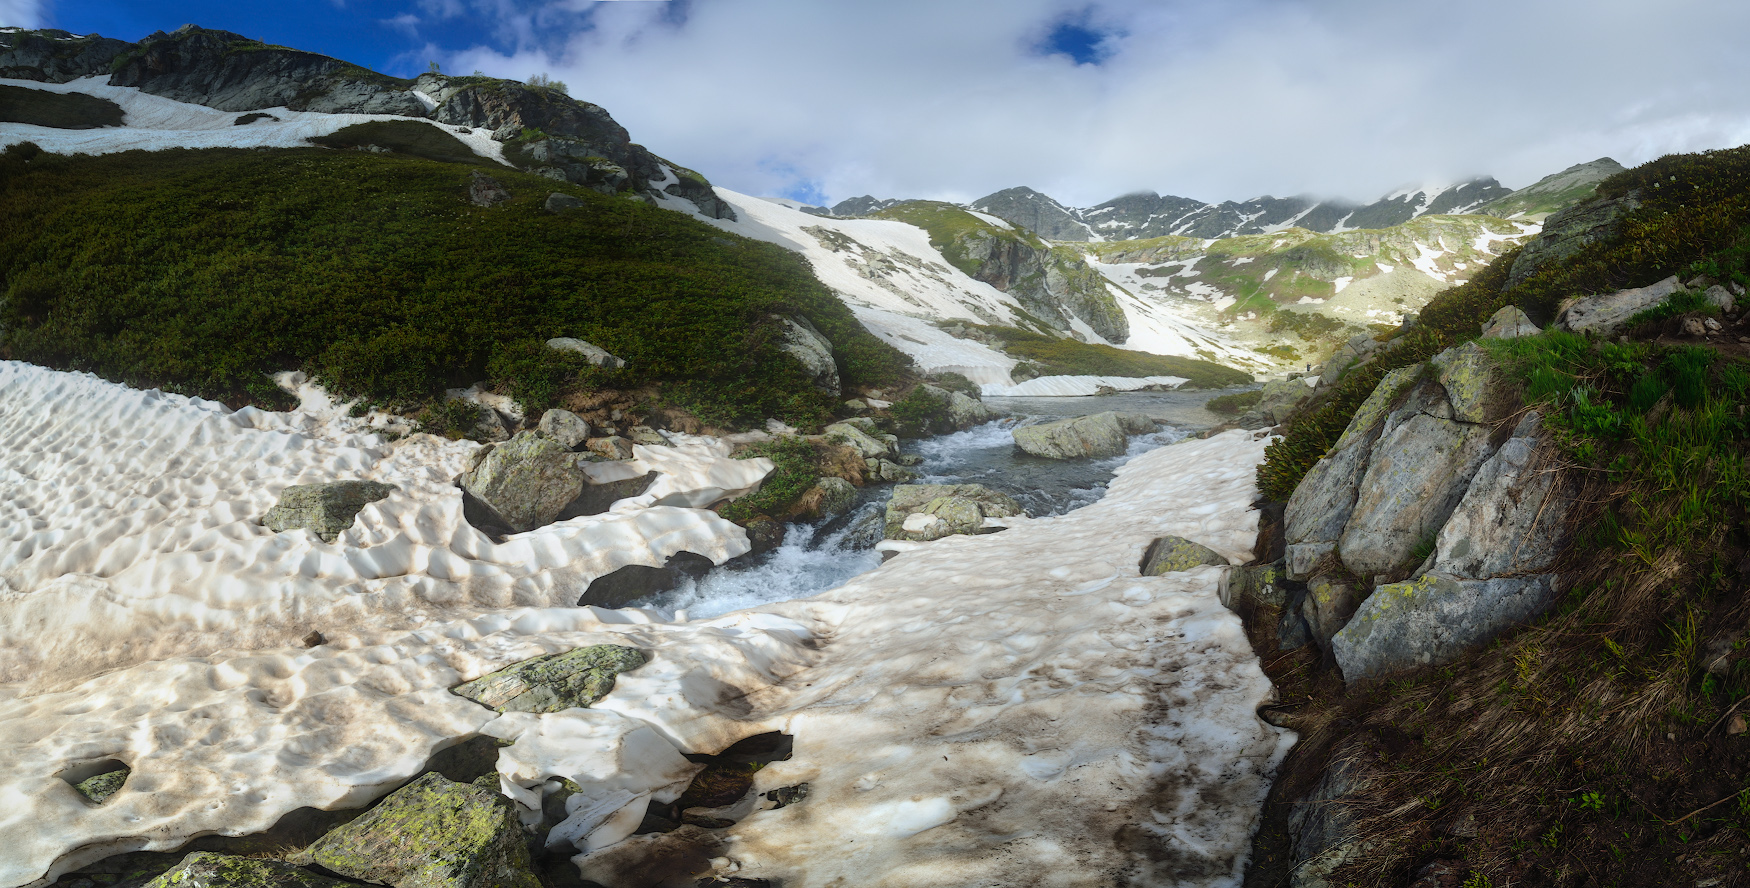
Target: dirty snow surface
pixel 1020 708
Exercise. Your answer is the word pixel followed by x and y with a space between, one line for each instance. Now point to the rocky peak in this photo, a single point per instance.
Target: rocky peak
pixel 865 205
pixel 52 56
pixel 1036 212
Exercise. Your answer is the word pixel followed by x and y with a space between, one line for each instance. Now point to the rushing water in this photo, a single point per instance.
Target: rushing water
pixel 820 556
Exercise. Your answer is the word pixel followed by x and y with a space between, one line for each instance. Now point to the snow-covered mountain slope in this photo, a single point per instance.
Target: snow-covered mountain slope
pixel 1146 214
pixel 154 123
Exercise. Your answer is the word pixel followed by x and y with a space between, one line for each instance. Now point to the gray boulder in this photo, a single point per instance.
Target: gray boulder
pixel 800 340
pixel 1720 297
pixel 1102 434
pixel 611 447
pixel 485 191
pixel 564 428
pixel 1468 375
pixel 433 833
pixel 965 411
pixel 647 436
pixel 598 497
pixel 1171 554
pixel 1434 619
pixel 526 481
pixel 1322 829
pixel 861 435
pixel 1416 475
pixel 1328 606
pixel 837 495
pixel 559 203
pixel 1321 505
pixel 1605 315
pixel 1279 398
pixel 923 512
pixel 575 679
pixel 1512 516
pixel 1244 585
pixel 326 510
pixel 887 471
pixel 1509 323
pixel 596 355
pixel 205 869
pixel 635 581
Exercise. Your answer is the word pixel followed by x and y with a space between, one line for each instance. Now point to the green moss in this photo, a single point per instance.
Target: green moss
pixel 433 832
pixel 796 469
pixel 102 786
pixel 199 271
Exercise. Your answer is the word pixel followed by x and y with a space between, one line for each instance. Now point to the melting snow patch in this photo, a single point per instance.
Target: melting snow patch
pixel 1342 282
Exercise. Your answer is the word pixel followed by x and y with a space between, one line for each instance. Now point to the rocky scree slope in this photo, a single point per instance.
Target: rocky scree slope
pixel 550 133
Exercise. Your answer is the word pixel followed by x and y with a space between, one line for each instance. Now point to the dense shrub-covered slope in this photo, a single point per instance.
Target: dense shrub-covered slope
pixel 200 271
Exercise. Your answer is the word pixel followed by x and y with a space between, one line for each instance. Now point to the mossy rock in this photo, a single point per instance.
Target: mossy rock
pixel 573 679
pixel 1170 554
pixel 204 869
pixel 433 833
pixel 326 510
pixel 102 786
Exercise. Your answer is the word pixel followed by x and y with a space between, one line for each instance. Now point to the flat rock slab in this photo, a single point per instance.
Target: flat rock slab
pixel 433 833
pixel 326 510
pixel 204 869
pixel 1604 315
pixel 1170 554
pixel 574 679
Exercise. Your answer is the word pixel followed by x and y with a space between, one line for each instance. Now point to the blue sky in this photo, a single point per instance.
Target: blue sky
pixel 1212 99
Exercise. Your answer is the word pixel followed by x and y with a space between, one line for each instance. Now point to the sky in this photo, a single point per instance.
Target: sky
pixel 953 99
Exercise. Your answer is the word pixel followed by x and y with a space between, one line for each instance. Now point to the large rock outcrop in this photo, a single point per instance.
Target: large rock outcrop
pixel 51 56
pixel 433 833
pixel 231 72
pixel 1605 315
pixel 1571 230
pixel 801 340
pixel 1417 477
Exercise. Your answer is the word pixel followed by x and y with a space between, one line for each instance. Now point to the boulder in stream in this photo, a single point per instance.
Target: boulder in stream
pixel 1102 434
pixel 923 512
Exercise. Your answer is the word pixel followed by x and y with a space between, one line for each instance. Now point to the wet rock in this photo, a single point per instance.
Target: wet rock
pixel 433 833
pixel 828 497
pixel 1170 554
pixel 205 869
pixel 559 203
pixel 964 411
pixel 596 355
pixel 485 191
pixel 1321 505
pixel 764 533
pixel 1605 315
pixel 526 482
pixel 1434 619
pixel 611 447
pixel 1102 434
pixel 564 428
pixel 576 678
pixel 635 581
pixel 887 471
pixel 800 340
pixel 1509 323
pixel 326 510
pixel 922 512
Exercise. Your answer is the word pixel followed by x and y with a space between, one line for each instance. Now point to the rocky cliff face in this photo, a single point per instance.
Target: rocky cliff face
pixel 545 130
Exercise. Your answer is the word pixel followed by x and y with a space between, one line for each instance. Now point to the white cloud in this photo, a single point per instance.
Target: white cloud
pixel 24 13
pixel 1213 99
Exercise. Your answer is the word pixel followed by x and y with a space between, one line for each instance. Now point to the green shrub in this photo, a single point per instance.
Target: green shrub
pixel 202 270
pixel 21 104
pixel 796 468
pixel 1067 357
pixel 919 413
pixel 1234 404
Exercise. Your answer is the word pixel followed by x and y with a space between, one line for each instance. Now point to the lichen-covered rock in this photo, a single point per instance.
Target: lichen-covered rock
pixel 205 869
pixel 964 411
pixel 1434 619
pixel 1604 315
pixel 326 510
pixel 800 340
pixel 1509 323
pixel 1170 554
pixel 526 481
pixel 647 436
pixel 836 495
pixel 1322 504
pixel 102 786
pixel 887 471
pixel 1468 375
pixel 860 433
pixel 922 512
pixel 485 191
pixel 433 833
pixel 596 355
pixel 610 447
pixel 564 428
pixel 1512 516
pixel 1328 606
pixel 1416 474
pixel 574 679
pixel 1278 398
pixel 1102 434
pixel 1264 584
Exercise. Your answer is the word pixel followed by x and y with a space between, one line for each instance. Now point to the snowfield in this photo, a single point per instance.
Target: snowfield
pixel 1020 708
